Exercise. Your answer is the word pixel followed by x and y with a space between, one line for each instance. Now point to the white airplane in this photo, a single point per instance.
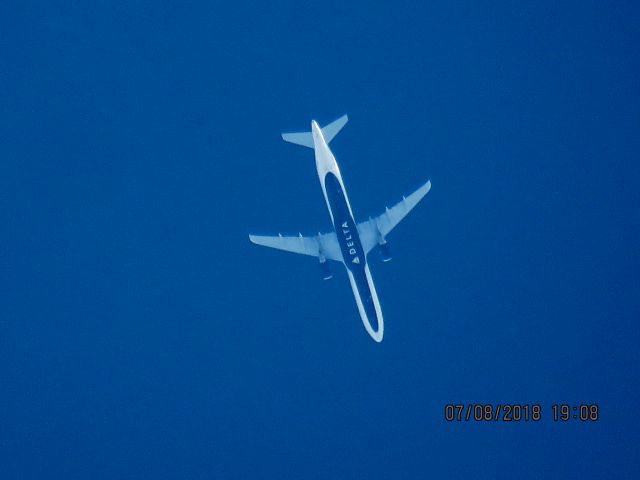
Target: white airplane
pixel 348 243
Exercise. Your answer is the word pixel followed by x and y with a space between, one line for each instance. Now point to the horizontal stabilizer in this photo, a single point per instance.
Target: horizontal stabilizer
pixel 306 138
pixel 303 138
pixel 331 130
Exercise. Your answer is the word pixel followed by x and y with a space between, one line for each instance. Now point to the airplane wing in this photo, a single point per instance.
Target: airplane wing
pixel 325 244
pixel 372 230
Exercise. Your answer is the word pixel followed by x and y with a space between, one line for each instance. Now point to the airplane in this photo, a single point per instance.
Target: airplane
pixel 349 243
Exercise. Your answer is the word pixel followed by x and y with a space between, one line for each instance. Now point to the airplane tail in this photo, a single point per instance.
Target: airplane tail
pixel 306 138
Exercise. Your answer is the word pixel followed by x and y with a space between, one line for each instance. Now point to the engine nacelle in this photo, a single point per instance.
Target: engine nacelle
pixel 385 252
pixel 324 269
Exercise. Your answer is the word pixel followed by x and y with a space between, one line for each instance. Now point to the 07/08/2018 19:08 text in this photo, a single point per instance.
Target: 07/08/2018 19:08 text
pixel 519 412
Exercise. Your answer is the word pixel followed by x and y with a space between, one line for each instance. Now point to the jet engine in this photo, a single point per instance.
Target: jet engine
pixel 324 268
pixel 385 252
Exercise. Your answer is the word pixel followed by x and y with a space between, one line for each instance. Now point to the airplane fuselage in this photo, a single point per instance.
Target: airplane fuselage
pixel 353 255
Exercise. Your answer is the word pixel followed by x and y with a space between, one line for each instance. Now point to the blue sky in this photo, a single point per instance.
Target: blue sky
pixel 143 336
